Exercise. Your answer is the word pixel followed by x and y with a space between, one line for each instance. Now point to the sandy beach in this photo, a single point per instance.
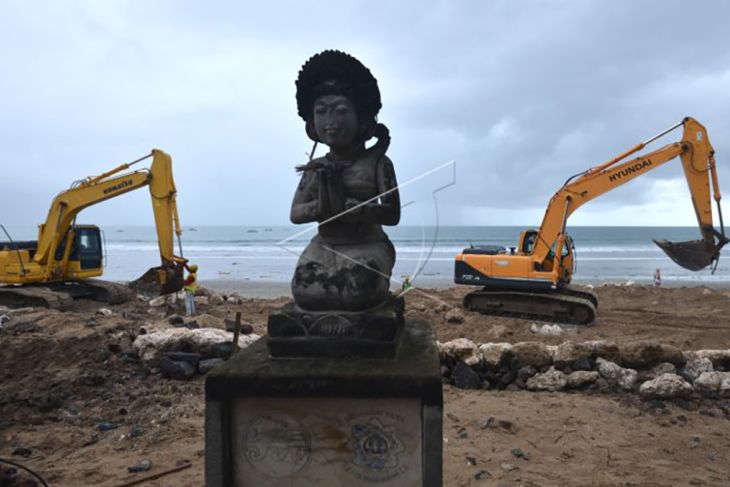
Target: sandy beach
pixel 85 408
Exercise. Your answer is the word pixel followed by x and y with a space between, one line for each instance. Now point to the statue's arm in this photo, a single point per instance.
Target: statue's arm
pixel 385 211
pixel 304 208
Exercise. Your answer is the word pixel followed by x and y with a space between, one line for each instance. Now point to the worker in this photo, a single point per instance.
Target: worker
pixel 191 284
pixel 657 278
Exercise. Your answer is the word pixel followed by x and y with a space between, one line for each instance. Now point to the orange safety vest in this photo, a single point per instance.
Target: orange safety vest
pixel 193 285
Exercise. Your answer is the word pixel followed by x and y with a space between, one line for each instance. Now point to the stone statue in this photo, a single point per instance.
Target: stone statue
pixel 351 191
pixel 342 303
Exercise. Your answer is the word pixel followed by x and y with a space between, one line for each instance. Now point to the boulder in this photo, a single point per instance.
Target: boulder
pixel 454 315
pixel 546 330
pixel 720 358
pixel 648 353
pixel 695 366
pixel 709 382
pixel 604 349
pixel 494 354
pixel 665 386
pixel 581 378
pixel 552 380
pixel 209 321
pixel 172 369
pixel 616 375
pixel 464 377
pixel 461 350
pixel 155 344
pixel 201 300
pixel 657 370
pixel 535 354
pixel 524 374
pixel 569 352
pixel 158 301
pixel 206 366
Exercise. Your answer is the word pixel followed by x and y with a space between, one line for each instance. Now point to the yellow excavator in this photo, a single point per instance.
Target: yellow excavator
pixel 532 280
pixel 60 265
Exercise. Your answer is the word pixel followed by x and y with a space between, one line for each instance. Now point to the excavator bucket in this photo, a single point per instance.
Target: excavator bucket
pixel 694 255
pixel 160 280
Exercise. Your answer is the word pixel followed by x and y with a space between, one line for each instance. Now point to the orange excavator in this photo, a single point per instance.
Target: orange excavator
pixel 532 280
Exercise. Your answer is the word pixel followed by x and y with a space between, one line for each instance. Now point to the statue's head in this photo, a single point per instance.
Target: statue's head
pixel 338 99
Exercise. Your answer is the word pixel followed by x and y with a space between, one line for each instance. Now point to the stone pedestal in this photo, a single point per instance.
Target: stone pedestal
pixel 327 421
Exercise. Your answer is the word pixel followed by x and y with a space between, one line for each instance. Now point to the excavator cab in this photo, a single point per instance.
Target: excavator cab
pixel 86 256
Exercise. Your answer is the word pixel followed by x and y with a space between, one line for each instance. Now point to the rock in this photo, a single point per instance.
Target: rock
pixel 171 369
pixel 191 358
pixel 518 453
pixel 454 315
pixel 616 375
pixel 206 320
pixel 246 328
pixel 4 319
pixel 546 330
pixel 604 349
pixel 222 350
pixel 461 349
pixel 535 354
pixel 104 312
pixel 206 366
pixel 720 358
pixel 695 367
pixel 524 374
pixel 201 300
pixel 581 378
pixel 22 452
pixel 552 380
pixel 648 352
pixel 482 474
pixel 464 377
pixel 471 461
pixel 136 431
pixel 665 386
pixel 93 379
pixel 659 369
pixel 142 466
pixel 568 353
pixel 107 426
pixel 494 353
pixel 203 341
pixel 176 320
pixel 508 467
pixel 158 301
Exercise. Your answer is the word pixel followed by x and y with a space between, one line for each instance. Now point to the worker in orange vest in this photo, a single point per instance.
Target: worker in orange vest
pixel 191 284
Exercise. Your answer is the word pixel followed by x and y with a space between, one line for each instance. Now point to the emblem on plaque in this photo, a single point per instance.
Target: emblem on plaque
pixel 375 451
pixel 277 445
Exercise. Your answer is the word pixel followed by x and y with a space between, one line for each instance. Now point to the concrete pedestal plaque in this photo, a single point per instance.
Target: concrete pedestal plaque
pixel 327 421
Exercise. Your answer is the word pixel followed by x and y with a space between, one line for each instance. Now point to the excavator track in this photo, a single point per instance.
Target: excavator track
pixel 61 295
pixel 564 306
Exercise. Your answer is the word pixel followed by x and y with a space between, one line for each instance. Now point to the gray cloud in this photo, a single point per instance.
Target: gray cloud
pixel 520 94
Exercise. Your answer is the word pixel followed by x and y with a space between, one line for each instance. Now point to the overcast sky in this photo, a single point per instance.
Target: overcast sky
pixel 520 94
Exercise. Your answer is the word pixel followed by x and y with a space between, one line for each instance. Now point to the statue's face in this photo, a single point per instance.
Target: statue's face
pixel 335 121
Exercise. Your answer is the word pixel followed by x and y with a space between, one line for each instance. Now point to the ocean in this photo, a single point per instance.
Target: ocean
pixel 254 254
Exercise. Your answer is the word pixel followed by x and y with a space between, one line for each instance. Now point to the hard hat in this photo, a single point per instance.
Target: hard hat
pixel 193 267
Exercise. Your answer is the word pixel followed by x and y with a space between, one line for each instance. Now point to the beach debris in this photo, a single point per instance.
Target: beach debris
pixel 546 330
pixel 203 341
pixel 552 380
pixel 104 312
pixel 665 386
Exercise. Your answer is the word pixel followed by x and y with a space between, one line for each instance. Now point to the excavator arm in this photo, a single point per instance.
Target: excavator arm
pixel 698 162
pixel 90 191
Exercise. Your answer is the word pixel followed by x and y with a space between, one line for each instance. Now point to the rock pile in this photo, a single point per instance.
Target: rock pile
pixel 652 369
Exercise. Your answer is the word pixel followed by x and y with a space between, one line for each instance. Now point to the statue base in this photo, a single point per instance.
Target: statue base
pixel 295 332
pixel 316 421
